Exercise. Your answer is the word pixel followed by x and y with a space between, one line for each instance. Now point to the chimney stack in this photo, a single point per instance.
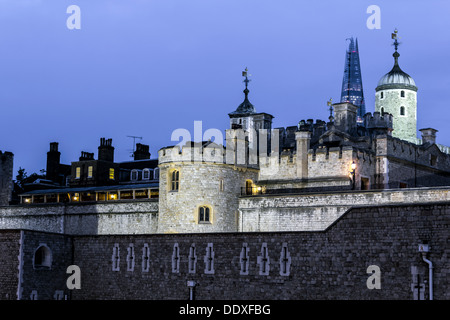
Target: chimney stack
pixel 106 150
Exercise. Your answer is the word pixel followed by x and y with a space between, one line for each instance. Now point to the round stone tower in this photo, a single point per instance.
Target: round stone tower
pixel 396 93
pixel 198 191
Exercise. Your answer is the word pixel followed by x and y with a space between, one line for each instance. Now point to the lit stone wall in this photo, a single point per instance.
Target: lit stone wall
pixel 317 211
pixel 217 186
pixel 119 217
pixel 405 126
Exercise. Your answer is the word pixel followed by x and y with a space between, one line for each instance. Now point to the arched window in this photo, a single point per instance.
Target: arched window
pixel 204 214
pixel 402 110
pixel 42 257
pixel 382 110
pixel 146 174
pixel 175 180
pixel 134 174
pixel 381 94
pixel 402 94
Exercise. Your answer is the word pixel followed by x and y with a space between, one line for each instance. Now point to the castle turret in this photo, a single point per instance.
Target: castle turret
pixel 6 173
pixel 396 93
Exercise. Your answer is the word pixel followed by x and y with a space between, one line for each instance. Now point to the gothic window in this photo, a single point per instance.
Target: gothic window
pixel 264 260
pixel 116 257
pixel 402 94
pixel 192 259
pixel 402 110
pixel 209 259
pixel 174 180
pixel 42 257
pixel 244 259
pixel 130 258
pixel 134 174
pixel 176 258
pixel 145 258
pixel 204 214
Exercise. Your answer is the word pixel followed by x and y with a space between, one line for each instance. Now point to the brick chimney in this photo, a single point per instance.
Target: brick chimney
pixel 142 152
pixel 106 150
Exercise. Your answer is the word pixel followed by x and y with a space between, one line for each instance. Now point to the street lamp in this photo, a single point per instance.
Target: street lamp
pixel 353 166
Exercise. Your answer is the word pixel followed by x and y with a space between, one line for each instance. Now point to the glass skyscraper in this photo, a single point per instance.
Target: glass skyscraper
pixel 352 89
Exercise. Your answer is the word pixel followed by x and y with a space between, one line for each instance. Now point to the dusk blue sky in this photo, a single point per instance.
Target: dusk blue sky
pixel 146 68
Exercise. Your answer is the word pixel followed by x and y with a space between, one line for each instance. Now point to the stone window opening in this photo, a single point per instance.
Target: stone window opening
pixel 176 259
pixel 116 258
pixel 42 257
pixel 145 258
pixel 175 180
pixel 402 94
pixel 381 95
pixel 382 110
pixel 285 260
pixel 264 260
pixel 204 214
pixel 192 259
pixel 130 257
pixel 244 259
pixel 209 259
pixel 402 111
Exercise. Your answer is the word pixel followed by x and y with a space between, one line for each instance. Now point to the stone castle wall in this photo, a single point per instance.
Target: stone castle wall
pixel 329 264
pixel 317 211
pixel 119 217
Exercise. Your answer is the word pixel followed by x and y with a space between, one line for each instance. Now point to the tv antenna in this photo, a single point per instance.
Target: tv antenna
pixel 134 143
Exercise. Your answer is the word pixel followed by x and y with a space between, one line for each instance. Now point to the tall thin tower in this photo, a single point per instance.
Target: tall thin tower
pixel 352 88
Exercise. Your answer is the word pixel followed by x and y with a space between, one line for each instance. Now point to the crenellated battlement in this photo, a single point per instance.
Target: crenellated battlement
pixel 205 151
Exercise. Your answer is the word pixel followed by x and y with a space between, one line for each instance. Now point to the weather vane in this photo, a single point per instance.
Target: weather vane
pixel 330 104
pixel 246 75
pixel 395 37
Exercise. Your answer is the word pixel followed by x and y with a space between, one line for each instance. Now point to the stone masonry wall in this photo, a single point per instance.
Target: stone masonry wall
pixel 9 263
pixel 119 217
pixel 317 211
pixel 329 264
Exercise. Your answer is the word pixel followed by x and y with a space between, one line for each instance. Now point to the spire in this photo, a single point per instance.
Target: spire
pixel 352 89
pixel 245 107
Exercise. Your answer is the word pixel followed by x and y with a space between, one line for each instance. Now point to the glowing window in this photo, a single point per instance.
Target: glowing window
pixel 90 171
pixel 77 173
pixel 111 173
